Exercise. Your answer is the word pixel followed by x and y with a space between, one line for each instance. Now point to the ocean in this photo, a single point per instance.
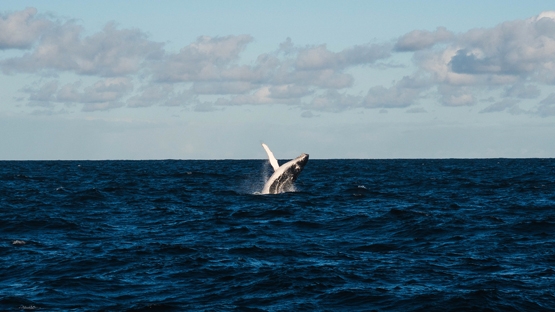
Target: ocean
pixel 355 235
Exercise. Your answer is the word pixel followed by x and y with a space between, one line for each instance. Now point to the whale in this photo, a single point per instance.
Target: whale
pixel 285 175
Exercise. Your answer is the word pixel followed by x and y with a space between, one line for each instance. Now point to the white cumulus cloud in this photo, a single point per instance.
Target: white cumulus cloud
pixel 20 30
pixel 516 59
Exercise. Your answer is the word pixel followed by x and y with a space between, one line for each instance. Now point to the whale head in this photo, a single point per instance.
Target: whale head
pixel 298 165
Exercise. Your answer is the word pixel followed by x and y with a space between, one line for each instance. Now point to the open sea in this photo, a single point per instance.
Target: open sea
pixel 356 235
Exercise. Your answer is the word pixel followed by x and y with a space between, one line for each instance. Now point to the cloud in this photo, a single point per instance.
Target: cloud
pixel 515 56
pixel 326 78
pixel 319 57
pixel 209 66
pixel 549 100
pixel 44 94
pixel 520 48
pixel 393 97
pixel 455 96
pixel 308 114
pixel 109 53
pixel 180 98
pixel 212 64
pixel 500 106
pixel 471 62
pixel 289 91
pixel 334 101
pixel 261 96
pixel 403 93
pixel 102 95
pixel 20 30
pixel 437 65
pixel 222 87
pixel 204 60
pixel 106 90
pixel 522 91
pixel 422 39
pixel 69 93
pixel 514 60
pixel 282 77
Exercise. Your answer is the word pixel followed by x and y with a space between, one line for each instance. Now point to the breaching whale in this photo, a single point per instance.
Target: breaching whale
pixel 283 177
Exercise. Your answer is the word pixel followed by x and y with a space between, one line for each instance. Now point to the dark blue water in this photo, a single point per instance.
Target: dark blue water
pixel 357 235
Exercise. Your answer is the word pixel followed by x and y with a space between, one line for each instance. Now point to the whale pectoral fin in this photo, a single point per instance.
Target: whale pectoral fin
pixel 273 160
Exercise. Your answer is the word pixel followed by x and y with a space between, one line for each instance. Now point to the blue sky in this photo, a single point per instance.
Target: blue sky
pixel 335 79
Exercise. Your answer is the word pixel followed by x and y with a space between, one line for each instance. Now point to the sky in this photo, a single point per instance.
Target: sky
pixel 93 80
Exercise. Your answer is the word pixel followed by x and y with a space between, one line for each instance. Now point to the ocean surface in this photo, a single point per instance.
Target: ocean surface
pixel 356 235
